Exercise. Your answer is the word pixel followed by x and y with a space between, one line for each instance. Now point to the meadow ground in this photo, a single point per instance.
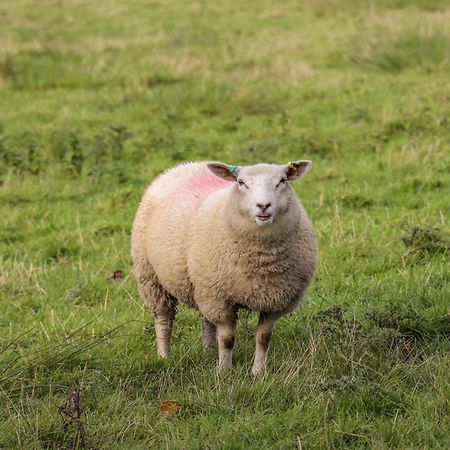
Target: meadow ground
pixel 97 98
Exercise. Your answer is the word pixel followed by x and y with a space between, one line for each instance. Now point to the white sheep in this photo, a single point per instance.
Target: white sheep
pixel 219 238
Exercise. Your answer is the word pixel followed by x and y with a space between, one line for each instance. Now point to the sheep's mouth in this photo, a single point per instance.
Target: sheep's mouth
pixel 264 217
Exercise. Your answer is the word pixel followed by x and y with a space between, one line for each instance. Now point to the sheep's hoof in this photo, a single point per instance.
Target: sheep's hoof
pixel 222 369
pixel 259 371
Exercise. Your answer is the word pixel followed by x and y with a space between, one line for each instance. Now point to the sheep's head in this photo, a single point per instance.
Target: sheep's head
pixel 262 193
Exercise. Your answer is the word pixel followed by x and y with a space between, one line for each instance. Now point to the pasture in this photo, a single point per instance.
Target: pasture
pixel 97 98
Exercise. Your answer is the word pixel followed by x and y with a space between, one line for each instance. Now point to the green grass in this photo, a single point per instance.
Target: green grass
pixel 97 98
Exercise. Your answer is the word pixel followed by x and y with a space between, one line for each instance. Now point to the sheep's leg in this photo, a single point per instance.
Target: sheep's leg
pixel 163 307
pixel 209 333
pixel 263 336
pixel 164 313
pixel 225 336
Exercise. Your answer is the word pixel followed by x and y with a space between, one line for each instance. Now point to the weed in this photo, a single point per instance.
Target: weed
pixel 66 146
pixel 161 80
pixel 22 152
pixel 107 152
pixel 357 201
pixel 7 69
pixel 72 416
pixel 409 324
pixel 423 240
pixel 427 50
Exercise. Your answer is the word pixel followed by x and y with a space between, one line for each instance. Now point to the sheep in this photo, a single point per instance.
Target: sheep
pixel 218 238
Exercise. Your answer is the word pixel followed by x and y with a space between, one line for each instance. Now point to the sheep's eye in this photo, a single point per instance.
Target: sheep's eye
pixel 241 183
pixel 282 181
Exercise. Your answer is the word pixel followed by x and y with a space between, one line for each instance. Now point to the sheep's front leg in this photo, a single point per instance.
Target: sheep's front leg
pixel 263 336
pixel 209 333
pixel 225 337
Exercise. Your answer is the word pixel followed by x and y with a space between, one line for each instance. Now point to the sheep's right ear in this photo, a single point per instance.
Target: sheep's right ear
pixel 223 171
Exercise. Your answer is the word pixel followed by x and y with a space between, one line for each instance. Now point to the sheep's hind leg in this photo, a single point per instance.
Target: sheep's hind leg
pixel 163 307
pixel 263 336
pixel 164 313
pixel 209 333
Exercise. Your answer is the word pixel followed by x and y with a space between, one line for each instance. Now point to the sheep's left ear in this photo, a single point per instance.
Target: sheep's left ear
pixel 296 169
pixel 223 171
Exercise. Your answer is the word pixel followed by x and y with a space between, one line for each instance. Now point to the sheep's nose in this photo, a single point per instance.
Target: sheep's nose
pixel 263 207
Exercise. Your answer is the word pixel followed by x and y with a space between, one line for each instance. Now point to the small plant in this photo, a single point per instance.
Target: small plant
pixel 8 71
pixel 426 50
pixel 334 324
pixel 409 323
pixel 22 152
pixel 422 240
pixel 356 201
pixel 107 150
pixel 73 417
pixel 108 144
pixel 66 147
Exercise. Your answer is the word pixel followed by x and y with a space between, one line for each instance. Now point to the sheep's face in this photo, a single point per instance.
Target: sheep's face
pixel 262 192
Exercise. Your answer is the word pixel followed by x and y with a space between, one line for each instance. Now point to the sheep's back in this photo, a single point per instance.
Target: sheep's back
pixel 163 220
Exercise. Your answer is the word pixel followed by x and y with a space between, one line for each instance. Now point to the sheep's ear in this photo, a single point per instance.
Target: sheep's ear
pixel 223 171
pixel 296 169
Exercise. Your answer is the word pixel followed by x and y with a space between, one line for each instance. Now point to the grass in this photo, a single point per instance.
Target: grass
pixel 97 99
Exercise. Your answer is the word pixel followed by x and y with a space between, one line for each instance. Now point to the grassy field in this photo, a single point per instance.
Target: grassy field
pixel 97 98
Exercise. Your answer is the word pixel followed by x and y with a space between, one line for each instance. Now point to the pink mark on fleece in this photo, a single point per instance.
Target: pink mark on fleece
pixel 200 186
